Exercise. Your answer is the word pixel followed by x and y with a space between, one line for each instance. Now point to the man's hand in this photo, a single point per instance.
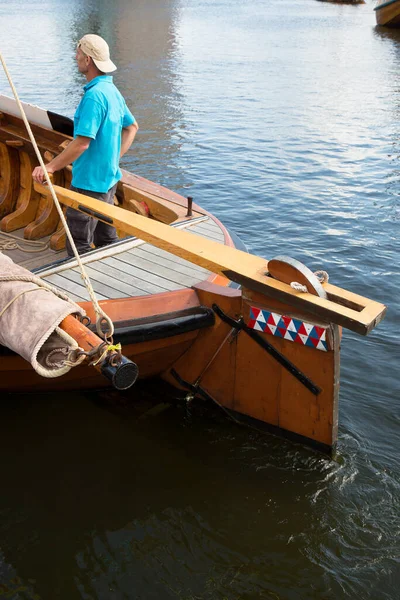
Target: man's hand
pixel 38 173
pixel 74 149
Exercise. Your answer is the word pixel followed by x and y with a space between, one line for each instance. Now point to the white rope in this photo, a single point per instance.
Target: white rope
pixel 100 314
pixel 322 277
pixel 31 278
pixel 18 296
pixel 66 362
pixel 13 243
pixel 298 287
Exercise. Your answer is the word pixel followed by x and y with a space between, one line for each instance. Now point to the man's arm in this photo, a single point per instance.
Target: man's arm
pixel 67 156
pixel 127 137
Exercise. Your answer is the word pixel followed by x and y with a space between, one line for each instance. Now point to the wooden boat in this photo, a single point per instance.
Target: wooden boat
pixel 188 305
pixel 388 13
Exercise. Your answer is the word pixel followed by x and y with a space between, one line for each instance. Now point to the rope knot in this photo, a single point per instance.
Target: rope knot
pixel 322 277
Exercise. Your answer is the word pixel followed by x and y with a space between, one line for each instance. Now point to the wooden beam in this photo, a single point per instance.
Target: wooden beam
pixel 238 266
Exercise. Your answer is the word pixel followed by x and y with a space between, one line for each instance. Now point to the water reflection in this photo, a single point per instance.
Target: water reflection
pixel 143 40
pixel 284 119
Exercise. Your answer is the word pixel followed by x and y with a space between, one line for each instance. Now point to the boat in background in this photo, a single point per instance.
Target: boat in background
pixel 188 305
pixel 388 13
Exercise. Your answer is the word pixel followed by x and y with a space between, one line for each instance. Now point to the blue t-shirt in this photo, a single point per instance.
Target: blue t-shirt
pixel 101 115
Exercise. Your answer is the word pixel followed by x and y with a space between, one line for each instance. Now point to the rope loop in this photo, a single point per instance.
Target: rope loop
pixel 75 358
pixel 107 349
pixel 104 326
pixel 322 277
pixel 13 242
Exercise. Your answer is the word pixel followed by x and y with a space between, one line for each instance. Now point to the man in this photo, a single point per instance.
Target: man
pixel 104 130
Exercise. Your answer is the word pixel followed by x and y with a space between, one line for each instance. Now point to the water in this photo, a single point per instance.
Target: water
pixel 282 118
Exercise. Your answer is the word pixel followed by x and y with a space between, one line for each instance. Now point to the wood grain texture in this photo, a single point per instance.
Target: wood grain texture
pixel 27 198
pixel 9 179
pixel 47 218
pixel 246 269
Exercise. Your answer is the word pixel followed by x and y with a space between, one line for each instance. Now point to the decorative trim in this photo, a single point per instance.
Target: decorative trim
pixel 288 328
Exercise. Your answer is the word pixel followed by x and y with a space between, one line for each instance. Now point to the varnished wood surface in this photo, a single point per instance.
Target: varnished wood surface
pixel 389 15
pixel 246 269
pixel 136 271
pixel 241 376
pixel 140 271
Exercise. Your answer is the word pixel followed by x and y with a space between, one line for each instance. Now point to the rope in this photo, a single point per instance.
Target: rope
pixel 66 362
pixel 41 283
pixel 322 277
pixel 100 314
pixel 12 243
pixel 107 350
pixel 298 287
pixel 16 298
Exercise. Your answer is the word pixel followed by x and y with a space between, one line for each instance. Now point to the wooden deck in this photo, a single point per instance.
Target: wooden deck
pixel 130 268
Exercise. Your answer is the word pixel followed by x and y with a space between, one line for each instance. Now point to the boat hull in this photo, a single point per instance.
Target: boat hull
pixel 154 331
pixel 274 382
pixel 388 13
pixel 188 307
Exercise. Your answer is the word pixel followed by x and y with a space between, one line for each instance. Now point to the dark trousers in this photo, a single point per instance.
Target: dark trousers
pixel 86 230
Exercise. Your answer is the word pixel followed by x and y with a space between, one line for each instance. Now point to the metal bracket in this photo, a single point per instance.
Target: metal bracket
pixel 193 388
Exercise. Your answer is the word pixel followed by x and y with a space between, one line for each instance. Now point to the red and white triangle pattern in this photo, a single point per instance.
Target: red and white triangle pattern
pixel 288 328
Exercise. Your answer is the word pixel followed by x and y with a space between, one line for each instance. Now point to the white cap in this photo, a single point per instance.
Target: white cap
pixel 97 48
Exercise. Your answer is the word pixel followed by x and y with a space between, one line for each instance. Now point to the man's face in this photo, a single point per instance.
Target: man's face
pixel 82 61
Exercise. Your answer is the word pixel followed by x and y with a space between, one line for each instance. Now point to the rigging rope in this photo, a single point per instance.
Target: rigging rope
pixel 13 243
pixel 101 316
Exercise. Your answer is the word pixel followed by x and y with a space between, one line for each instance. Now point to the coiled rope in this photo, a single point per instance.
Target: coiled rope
pixel 13 243
pixel 101 316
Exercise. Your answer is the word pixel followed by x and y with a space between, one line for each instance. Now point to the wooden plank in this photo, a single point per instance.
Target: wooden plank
pixel 144 185
pixel 128 279
pixel 185 267
pixel 9 179
pixel 75 291
pixel 164 272
pixel 106 291
pixel 147 281
pixel 30 257
pixel 163 254
pixel 47 216
pixel 208 234
pixel 107 275
pixel 37 260
pixel 208 227
pixel 211 226
pixel 243 268
pixel 27 201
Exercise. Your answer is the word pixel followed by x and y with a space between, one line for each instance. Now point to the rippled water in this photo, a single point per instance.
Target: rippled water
pixel 282 118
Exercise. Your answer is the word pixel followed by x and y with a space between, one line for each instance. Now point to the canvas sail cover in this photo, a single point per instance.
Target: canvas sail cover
pixel 30 314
